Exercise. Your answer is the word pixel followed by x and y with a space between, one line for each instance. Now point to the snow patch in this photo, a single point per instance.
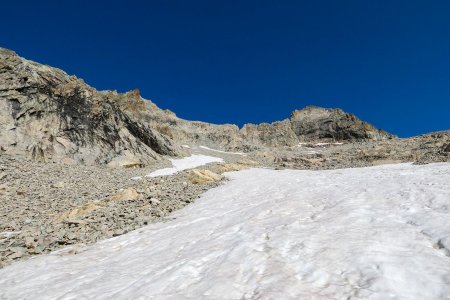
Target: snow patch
pixel 318 144
pixel 9 234
pixel 190 162
pixel 220 151
pixel 325 144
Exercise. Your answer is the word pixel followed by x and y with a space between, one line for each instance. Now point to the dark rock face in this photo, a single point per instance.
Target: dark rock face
pixel 315 123
pixel 47 114
pixel 446 148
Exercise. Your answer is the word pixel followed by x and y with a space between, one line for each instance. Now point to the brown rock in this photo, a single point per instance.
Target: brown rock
pixel 127 194
pixel 197 176
pixel 58 185
pixel 78 212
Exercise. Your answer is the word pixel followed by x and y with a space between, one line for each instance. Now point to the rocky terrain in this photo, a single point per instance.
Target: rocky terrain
pixel 68 154
pixel 422 149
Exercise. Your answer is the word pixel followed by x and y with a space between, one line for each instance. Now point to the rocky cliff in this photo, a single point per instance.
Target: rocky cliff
pixel 48 115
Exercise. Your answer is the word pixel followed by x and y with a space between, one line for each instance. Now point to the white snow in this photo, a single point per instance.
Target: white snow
pixel 220 151
pixel 370 233
pixel 320 144
pixel 8 234
pixel 325 144
pixel 181 164
pixel 311 152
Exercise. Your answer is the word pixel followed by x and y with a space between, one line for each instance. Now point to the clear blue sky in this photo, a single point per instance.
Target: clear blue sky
pixel 252 61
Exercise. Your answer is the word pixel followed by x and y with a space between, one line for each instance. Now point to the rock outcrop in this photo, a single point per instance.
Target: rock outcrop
pixel 446 148
pixel 316 123
pixel 49 115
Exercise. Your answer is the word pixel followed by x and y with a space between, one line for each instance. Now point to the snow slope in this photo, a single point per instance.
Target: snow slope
pixel 372 233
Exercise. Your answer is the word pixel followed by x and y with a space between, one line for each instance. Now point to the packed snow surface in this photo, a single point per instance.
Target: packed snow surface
pixel 372 233
pixel 190 162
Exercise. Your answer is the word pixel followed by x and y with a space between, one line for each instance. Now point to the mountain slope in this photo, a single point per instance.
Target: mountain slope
pixel 48 115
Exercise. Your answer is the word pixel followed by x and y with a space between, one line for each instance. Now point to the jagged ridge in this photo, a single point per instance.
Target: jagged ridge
pixel 47 114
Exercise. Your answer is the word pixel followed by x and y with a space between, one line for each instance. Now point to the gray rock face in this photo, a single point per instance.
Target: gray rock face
pixel 315 123
pixel 47 114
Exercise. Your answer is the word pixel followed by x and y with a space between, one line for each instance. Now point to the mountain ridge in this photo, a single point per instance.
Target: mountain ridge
pixel 48 114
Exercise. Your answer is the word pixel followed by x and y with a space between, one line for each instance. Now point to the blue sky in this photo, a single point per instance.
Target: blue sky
pixel 252 61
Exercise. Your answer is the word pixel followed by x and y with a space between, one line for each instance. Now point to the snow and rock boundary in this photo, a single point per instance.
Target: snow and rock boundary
pixel 370 233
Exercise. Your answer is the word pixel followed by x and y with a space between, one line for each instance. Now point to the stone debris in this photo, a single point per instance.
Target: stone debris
pixel 92 204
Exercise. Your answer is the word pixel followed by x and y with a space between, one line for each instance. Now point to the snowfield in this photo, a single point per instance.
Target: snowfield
pixel 371 233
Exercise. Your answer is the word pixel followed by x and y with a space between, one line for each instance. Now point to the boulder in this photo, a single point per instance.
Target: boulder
pixel 126 194
pixel 125 161
pixel 78 212
pixel 197 176
pixel 58 185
